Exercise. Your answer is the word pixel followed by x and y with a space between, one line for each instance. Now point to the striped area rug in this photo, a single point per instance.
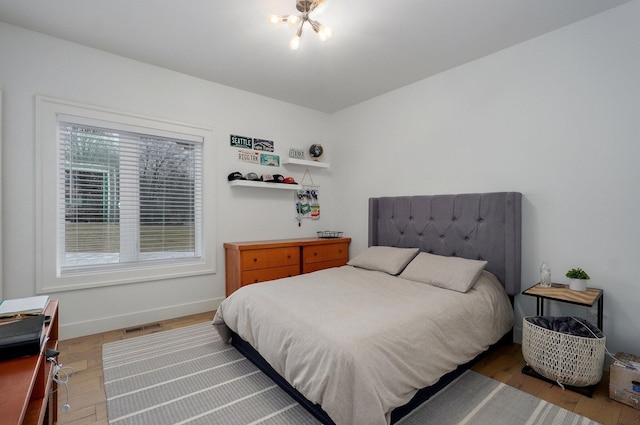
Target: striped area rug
pixel 189 376
pixel 475 399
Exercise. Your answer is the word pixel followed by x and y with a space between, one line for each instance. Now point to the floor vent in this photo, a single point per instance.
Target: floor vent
pixel 142 328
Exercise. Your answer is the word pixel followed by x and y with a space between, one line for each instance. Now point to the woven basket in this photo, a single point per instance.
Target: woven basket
pixel 566 359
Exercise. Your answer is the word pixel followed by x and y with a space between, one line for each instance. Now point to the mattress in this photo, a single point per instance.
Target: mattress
pixel 359 342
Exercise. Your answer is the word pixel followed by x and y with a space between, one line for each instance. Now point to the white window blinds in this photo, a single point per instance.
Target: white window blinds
pixel 127 198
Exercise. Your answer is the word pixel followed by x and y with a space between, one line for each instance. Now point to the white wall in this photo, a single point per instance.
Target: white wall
pixel 556 118
pixel 32 63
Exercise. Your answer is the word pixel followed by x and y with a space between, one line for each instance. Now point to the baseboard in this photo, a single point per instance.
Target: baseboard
pixel 517 335
pixel 105 324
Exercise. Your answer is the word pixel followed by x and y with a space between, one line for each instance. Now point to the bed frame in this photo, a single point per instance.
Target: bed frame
pixel 484 226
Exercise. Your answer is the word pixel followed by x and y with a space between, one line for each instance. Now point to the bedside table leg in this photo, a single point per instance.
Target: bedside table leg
pixel 600 312
pixel 540 306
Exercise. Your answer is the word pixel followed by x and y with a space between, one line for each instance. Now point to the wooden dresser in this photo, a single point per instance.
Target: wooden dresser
pixel 259 261
pixel 28 392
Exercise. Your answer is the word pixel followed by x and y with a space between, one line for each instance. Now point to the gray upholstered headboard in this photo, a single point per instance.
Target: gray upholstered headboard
pixel 483 226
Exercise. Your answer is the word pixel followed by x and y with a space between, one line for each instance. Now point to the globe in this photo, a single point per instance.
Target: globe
pixel 316 151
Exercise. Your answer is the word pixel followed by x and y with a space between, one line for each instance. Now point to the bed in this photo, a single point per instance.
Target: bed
pixel 367 342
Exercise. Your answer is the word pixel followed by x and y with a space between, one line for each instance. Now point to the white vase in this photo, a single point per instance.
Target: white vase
pixel 578 284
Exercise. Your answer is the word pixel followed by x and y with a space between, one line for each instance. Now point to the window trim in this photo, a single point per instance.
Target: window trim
pixel 47 278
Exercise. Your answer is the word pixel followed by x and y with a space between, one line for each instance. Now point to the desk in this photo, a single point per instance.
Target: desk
pixel 28 391
pixel 562 293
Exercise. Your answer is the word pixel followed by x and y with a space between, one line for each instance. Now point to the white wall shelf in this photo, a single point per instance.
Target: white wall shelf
pixel 263 185
pixel 306 163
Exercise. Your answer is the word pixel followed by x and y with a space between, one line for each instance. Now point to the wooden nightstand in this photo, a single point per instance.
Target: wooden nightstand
pixel 562 293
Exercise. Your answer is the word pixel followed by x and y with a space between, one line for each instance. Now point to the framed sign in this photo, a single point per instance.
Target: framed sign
pixel 269 160
pixel 296 153
pixel 240 141
pixel 263 145
pixel 249 156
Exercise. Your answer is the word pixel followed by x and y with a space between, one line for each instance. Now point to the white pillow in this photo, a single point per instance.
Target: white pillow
pixel 456 273
pixel 386 259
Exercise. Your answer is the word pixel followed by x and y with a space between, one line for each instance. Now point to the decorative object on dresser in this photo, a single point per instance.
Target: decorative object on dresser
pixel 260 261
pixel 578 279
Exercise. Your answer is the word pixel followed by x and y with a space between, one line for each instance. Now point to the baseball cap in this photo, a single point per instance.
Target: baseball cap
pixel 289 180
pixel 279 178
pixel 235 176
pixel 252 176
pixel 268 178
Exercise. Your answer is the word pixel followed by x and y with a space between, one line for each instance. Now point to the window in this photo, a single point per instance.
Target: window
pixel 129 198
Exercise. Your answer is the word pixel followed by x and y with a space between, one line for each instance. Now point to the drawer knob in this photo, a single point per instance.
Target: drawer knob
pixel 315 253
pixel 255 260
pixel 255 281
pixel 289 256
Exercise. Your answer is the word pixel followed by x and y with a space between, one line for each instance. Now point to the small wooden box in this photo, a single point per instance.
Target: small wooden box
pixel 624 380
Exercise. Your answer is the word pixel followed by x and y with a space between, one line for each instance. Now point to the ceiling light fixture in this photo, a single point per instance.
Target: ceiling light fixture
pixel 305 7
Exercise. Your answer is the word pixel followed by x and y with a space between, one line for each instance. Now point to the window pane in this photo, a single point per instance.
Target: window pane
pixel 167 196
pixel 128 197
pixel 90 160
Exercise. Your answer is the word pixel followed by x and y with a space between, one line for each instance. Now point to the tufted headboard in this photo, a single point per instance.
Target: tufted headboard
pixel 483 226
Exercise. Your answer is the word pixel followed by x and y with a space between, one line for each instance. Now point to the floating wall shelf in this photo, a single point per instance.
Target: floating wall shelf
pixel 294 161
pixel 263 185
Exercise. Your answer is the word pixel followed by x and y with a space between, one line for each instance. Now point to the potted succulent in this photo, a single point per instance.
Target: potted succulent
pixel 577 279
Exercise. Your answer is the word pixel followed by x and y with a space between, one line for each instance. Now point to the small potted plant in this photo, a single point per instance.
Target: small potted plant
pixel 577 279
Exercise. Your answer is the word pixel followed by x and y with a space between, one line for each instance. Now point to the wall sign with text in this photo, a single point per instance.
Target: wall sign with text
pixel 251 157
pixel 241 141
pixel 249 150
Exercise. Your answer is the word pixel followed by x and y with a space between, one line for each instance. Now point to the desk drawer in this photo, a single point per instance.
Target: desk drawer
pixel 262 275
pixel 272 257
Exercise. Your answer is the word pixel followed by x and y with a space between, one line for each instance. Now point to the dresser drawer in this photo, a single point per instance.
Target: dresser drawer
pixel 328 252
pixel 312 267
pixel 262 275
pixel 272 257
pixel 258 261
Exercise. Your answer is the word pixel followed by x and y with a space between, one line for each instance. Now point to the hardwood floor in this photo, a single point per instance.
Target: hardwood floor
pixel 505 365
pixel 88 402
pixel 86 391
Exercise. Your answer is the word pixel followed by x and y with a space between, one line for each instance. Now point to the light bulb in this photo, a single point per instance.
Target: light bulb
pixel 324 33
pixel 295 43
pixel 275 19
pixel 293 20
